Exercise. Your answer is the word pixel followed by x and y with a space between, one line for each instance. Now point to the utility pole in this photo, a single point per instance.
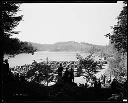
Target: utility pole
pixel 47 60
pixel 47 70
pixel 110 75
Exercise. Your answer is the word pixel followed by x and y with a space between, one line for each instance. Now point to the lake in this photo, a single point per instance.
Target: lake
pixel 39 56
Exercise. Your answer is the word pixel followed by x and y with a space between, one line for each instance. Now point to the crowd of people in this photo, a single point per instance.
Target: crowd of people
pixel 67 76
pixel 53 65
pixel 65 71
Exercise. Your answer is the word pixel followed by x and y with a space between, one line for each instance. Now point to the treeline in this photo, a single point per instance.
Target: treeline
pixel 27 47
pixel 15 46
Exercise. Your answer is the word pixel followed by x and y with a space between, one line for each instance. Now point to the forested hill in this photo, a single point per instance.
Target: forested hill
pixel 68 46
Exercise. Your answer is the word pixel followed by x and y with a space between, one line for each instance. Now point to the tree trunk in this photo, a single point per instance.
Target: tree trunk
pixel 1 71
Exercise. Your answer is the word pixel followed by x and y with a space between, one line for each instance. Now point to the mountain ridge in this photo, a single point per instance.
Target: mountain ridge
pixel 67 46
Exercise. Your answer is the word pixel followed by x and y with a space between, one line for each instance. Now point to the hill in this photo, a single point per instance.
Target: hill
pixel 68 46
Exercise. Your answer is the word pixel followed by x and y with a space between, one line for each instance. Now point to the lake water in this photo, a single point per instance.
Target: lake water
pixel 39 56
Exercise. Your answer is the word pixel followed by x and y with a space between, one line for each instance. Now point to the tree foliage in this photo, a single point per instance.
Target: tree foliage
pixel 118 42
pixel 41 72
pixel 26 47
pixel 10 20
pixel 88 64
pixel 119 36
pixel 12 46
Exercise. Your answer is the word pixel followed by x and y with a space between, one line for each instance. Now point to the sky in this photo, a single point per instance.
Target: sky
pixel 48 23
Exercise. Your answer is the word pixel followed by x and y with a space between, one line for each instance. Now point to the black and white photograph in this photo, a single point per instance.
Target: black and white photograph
pixel 63 52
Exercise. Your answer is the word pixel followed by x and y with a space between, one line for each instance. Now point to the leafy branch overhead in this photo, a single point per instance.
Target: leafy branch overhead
pixel 10 20
pixel 119 36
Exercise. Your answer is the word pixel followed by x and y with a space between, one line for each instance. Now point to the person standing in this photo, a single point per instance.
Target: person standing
pixel 114 85
pixel 95 84
pixel 72 74
pixel 67 76
pixel 60 70
pixel 6 91
pixel 6 69
pixel 99 84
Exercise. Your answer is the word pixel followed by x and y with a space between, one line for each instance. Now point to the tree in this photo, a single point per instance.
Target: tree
pixel 41 72
pixel 118 41
pixel 10 20
pixel 8 23
pixel 89 65
pixel 12 46
pixel 26 47
pixel 119 36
